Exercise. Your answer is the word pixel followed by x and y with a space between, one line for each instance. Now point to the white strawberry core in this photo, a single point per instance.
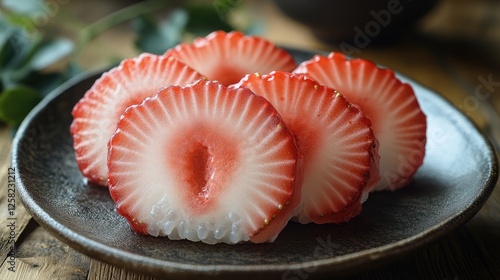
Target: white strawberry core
pixel 204 163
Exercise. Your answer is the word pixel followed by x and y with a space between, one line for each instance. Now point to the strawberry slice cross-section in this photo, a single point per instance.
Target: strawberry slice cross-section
pixel 95 116
pixel 335 139
pixel 228 57
pixel 205 163
pixel 398 122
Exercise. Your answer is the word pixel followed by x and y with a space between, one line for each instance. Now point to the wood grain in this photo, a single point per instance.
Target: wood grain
pixel 20 215
pixel 99 270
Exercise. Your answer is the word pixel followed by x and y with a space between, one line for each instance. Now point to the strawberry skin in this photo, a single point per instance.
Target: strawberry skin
pixel 205 163
pixel 335 139
pixel 398 122
pixel 95 116
pixel 228 57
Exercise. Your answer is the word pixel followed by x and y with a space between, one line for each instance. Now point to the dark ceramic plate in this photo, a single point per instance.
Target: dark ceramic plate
pixel 458 175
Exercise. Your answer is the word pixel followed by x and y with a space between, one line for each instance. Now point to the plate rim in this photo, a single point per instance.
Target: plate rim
pixel 148 265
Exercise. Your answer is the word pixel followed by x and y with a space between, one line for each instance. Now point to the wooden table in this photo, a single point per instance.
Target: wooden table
pixel 450 53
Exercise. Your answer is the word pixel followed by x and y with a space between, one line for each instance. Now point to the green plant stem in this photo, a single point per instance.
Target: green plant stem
pixel 97 28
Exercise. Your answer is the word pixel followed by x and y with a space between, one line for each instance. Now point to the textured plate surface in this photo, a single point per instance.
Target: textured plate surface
pixel 458 175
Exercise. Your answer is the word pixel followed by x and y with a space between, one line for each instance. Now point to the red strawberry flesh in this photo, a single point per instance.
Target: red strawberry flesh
pixel 97 113
pixel 398 122
pixel 205 163
pixel 335 139
pixel 228 57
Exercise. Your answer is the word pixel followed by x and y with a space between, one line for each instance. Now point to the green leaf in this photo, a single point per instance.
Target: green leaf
pixel 26 7
pixel 45 83
pixel 18 66
pixel 16 103
pixel 204 19
pixel 7 51
pixel 51 52
pixel 224 7
pixel 6 48
pixel 24 23
pixel 25 48
pixel 5 30
pixel 158 37
pixel 120 16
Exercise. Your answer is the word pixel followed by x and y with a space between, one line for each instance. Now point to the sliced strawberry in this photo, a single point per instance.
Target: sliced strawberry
pixel 97 113
pixel 205 162
pixel 228 57
pixel 335 139
pixel 398 122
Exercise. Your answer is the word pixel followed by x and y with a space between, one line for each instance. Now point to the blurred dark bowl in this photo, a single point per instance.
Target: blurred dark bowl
pixel 358 22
